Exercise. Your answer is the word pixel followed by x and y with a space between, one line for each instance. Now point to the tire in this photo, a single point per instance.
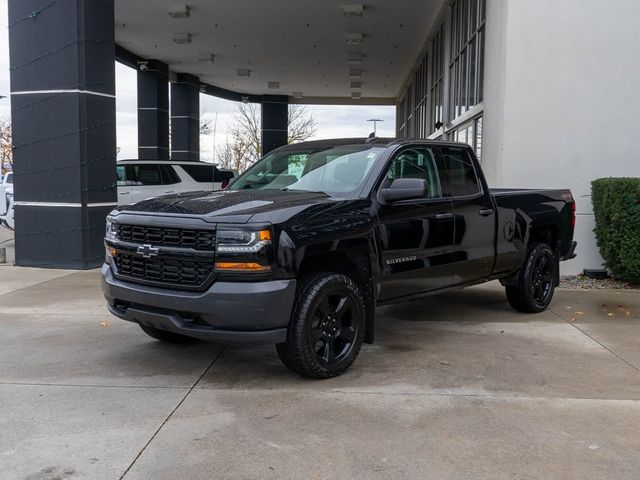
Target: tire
pixel 326 328
pixel 164 336
pixel 536 281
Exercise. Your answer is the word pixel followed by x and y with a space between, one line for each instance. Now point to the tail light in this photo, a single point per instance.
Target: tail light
pixel 224 185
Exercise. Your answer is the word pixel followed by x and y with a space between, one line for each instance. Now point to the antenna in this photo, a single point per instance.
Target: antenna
pixel 375 124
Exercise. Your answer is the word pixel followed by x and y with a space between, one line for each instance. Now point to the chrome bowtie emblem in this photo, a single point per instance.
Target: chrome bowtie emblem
pixel 147 251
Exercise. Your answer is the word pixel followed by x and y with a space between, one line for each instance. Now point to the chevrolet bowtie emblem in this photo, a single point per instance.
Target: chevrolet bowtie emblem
pixel 147 251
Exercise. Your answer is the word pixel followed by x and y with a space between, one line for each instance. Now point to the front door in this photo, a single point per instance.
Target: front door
pixel 125 187
pixel 416 235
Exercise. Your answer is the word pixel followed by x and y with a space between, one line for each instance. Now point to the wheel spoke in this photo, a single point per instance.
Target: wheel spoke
pixel 539 293
pixel 344 305
pixel 348 334
pixel 324 308
pixel 328 353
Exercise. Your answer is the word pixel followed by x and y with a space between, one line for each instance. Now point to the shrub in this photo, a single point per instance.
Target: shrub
pixel 616 205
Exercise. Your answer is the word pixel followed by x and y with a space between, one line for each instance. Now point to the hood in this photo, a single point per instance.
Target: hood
pixel 237 205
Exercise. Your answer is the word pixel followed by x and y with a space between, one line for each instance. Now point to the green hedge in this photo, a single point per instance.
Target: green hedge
pixel 616 204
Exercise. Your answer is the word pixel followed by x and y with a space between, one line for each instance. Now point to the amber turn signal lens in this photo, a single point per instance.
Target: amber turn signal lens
pixel 111 251
pixel 264 235
pixel 242 267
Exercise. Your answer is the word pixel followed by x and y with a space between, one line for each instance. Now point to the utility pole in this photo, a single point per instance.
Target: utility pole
pixel 375 124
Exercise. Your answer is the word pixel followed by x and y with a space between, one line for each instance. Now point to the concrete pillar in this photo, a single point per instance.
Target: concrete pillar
pixel 153 111
pixel 185 118
pixel 275 110
pixel 64 131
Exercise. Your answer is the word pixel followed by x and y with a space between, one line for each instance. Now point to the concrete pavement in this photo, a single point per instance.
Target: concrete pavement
pixel 456 386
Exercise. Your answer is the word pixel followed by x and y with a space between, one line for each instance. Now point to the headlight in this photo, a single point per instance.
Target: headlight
pixel 242 241
pixel 243 249
pixel 110 233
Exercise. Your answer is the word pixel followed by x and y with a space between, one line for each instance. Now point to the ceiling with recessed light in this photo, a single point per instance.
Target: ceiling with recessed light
pixel 315 51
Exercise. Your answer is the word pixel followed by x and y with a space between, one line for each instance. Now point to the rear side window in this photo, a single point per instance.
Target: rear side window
pixel 224 177
pixel 169 175
pixel 420 163
pixel 200 173
pixel 458 176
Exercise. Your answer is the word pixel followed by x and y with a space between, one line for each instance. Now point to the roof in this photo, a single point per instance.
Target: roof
pixel 383 142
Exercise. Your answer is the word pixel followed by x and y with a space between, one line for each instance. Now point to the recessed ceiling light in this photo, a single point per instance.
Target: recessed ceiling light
pixel 143 65
pixel 179 11
pixel 297 95
pixel 356 95
pixel 355 58
pixel 182 38
pixel 206 58
pixel 273 85
pixel 355 73
pixel 356 85
pixel 356 10
pixel 243 72
pixel 354 38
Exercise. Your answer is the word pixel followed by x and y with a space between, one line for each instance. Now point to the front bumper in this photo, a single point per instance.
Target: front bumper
pixel 242 313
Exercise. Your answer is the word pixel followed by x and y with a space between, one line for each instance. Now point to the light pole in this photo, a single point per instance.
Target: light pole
pixel 375 124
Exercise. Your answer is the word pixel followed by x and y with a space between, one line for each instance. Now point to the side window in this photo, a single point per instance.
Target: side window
pixel 122 178
pixel 417 163
pixel 146 174
pixel 169 175
pixel 458 176
pixel 200 173
pixel 223 176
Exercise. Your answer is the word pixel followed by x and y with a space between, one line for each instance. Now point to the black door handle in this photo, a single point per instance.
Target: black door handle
pixel 444 216
pixel 486 212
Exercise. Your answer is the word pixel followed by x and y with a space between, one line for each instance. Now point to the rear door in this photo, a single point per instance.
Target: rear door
pixel 416 235
pixel 151 180
pixel 474 214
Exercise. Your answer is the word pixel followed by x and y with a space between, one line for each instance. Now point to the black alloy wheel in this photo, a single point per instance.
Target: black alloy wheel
pixel 327 326
pixel 536 282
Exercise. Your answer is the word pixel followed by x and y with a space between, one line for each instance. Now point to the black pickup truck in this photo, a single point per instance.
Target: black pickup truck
pixel 302 247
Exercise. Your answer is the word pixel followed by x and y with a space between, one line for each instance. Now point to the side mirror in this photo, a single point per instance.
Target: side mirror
pixel 405 189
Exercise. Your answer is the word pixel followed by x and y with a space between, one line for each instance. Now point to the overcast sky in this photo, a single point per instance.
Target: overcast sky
pixel 332 121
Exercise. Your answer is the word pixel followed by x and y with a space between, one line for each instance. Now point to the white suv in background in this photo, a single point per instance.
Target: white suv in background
pixel 141 179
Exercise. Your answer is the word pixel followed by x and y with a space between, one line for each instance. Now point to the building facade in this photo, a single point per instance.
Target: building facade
pixel 543 91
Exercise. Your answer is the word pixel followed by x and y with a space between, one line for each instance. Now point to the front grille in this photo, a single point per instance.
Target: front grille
pixel 167 237
pixel 169 272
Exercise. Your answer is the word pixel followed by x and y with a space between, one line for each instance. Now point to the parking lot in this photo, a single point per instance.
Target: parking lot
pixel 456 386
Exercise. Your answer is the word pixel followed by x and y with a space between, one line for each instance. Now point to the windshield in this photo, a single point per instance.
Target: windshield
pixel 332 170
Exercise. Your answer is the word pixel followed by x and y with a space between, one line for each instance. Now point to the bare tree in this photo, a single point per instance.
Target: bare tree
pixel 6 144
pixel 205 123
pixel 244 142
pixel 302 125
